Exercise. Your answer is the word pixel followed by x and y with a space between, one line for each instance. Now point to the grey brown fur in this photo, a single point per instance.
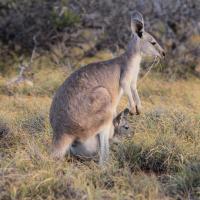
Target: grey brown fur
pixel 85 104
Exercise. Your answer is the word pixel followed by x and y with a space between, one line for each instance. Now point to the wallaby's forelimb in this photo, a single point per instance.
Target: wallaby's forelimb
pixel 127 91
pixel 136 98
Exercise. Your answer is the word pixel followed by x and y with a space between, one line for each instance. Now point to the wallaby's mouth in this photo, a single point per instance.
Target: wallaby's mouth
pixel 161 55
pixel 161 52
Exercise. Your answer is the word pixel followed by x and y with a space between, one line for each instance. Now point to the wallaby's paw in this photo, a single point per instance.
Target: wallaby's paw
pixel 138 109
pixel 132 111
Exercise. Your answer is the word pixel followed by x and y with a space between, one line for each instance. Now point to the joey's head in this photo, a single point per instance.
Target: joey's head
pixel 121 122
pixel 148 46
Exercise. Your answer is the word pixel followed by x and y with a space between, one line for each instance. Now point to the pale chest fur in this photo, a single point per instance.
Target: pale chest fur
pixel 131 74
pixel 133 69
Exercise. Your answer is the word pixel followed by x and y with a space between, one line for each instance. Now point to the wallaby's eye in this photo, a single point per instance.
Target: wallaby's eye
pixel 153 43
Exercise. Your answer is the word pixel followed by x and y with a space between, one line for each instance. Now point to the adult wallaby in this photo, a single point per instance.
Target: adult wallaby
pixel 85 104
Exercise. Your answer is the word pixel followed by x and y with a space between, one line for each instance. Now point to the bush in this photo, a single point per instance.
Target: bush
pixel 186 183
pixel 56 22
pixel 21 21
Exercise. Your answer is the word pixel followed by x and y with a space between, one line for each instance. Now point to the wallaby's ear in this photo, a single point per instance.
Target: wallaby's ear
pixel 137 23
pixel 126 112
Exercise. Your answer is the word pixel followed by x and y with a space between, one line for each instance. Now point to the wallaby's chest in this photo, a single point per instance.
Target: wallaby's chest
pixel 130 75
pixel 133 69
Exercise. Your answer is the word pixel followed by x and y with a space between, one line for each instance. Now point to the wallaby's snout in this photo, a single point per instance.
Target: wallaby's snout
pixel 150 47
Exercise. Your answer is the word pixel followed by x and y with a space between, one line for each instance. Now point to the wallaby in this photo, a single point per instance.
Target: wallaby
pixel 121 122
pixel 85 104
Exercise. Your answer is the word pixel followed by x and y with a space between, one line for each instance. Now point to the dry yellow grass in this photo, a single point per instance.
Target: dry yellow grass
pixel 160 160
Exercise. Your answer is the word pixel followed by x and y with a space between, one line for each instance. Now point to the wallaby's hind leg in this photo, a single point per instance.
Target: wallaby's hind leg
pixel 104 145
pixel 61 145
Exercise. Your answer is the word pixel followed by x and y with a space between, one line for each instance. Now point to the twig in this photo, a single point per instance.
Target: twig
pixel 155 62
pixel 33 52
pixel 22 77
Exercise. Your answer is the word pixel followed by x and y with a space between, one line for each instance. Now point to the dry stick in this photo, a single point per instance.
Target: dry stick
pixel 21 77
pixel 33 52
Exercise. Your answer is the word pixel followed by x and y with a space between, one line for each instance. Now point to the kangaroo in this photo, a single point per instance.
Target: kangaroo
pixel 84 106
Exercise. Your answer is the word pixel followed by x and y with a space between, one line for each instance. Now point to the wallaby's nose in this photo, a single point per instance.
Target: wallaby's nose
pixel 163 54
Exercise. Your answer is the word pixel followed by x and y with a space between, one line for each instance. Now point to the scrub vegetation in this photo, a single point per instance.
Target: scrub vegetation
pixel 41 43
pixel 160 160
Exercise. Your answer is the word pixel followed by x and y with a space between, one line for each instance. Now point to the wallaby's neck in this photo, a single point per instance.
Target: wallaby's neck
pixel 132 54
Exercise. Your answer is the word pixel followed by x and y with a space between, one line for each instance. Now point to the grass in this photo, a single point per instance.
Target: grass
pixel 159 161
pixel 186 182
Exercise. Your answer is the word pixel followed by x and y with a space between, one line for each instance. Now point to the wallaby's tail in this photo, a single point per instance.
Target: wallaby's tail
pixel 61 145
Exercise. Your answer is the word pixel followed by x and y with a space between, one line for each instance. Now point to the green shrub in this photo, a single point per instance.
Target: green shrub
pixel 67 19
